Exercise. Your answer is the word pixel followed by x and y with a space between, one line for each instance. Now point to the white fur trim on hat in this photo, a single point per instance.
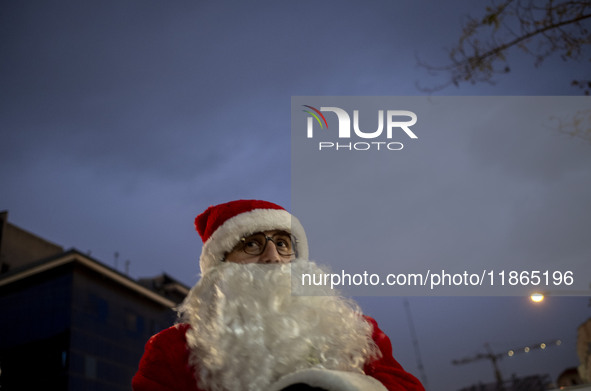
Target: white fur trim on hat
pixel 232 230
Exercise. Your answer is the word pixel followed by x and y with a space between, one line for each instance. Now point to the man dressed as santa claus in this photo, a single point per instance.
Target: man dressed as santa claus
pixel 249 324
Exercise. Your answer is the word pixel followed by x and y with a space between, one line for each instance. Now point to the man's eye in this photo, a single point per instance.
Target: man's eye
pixel 283 241
pixel 252 244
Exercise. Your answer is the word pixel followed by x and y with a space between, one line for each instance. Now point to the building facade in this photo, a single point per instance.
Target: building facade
pixel 70 322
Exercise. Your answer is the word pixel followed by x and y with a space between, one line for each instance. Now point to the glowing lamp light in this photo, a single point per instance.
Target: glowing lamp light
pixel 537 297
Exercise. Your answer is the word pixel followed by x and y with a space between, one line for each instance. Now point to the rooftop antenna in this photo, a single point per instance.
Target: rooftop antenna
pixel 116 259
pixel 127 262
pixel 415 343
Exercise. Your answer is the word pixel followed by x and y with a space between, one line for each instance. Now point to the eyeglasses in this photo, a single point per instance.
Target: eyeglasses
pixel 255 244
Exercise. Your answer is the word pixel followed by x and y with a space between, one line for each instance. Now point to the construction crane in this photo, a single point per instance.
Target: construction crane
pixel 495 357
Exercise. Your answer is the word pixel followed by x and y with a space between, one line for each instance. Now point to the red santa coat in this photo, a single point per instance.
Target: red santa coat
pixel 164 365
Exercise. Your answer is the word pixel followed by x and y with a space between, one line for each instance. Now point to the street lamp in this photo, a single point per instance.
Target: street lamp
pixel 539 296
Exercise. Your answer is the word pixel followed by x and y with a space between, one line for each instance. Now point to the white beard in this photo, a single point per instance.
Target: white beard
pixel 248 330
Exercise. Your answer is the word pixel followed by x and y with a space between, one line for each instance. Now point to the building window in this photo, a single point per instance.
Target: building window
pixel 97 307
pixel 90 367
pixel 133 322
pixel 130 321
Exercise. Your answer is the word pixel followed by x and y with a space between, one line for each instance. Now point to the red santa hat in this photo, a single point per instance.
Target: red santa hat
pixel 222 226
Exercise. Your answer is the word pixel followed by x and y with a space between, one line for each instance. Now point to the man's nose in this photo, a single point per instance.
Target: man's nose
pixel 270 255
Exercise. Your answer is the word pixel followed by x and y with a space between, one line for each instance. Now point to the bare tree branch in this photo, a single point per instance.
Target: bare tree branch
pixel 527 36
pixel 540 28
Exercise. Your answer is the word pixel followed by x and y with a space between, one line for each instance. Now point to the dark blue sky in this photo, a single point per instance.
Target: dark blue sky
pixel 120 121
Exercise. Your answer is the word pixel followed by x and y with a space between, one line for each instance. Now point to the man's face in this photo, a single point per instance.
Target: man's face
pixel 264 247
